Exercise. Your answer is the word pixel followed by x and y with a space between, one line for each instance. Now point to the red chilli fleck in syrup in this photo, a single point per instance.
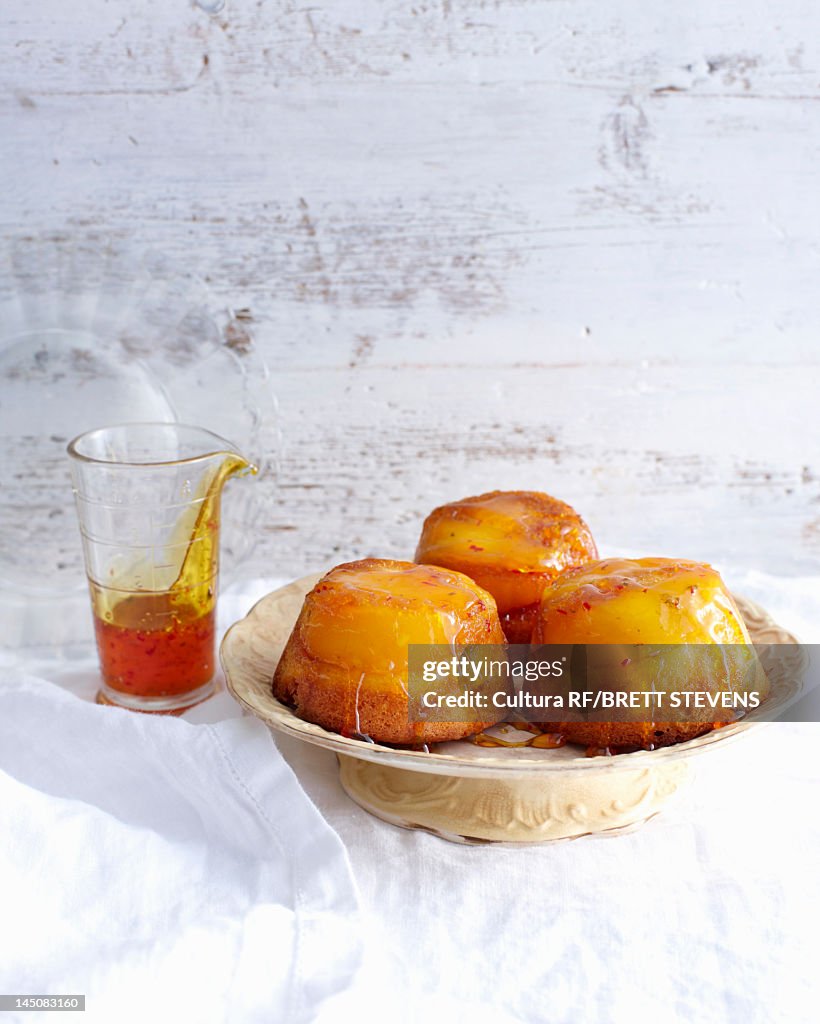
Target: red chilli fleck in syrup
pixel 154 649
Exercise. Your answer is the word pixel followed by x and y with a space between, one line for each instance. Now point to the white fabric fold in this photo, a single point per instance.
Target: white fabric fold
pixel 170 871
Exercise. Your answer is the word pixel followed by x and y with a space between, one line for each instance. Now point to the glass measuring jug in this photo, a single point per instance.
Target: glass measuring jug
pixel 148 500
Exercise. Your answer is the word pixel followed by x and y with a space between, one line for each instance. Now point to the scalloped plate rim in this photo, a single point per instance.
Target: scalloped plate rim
pixel 280 717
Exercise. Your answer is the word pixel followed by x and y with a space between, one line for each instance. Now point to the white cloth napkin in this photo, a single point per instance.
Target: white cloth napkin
pixel 169 871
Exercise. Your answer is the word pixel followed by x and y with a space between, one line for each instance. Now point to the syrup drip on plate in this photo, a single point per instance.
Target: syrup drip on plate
pixel 542 740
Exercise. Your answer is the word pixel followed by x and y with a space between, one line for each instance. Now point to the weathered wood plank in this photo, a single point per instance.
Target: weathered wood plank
pixel 656 459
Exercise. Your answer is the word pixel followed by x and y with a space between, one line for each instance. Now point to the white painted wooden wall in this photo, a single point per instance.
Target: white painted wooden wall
pixel 558 244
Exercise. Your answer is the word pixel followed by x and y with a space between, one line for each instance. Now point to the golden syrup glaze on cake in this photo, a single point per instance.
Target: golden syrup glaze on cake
pixel 633 601
pixel 513 543
pixel 366 613
pixel 346 661
pixel 649 601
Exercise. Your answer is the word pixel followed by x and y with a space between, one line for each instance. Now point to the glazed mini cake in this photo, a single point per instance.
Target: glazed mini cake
pixel 513 543
pixel 345 664
pixel 649 601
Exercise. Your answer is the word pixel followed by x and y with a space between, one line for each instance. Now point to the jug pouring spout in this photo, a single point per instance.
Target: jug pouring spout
pixel 197 529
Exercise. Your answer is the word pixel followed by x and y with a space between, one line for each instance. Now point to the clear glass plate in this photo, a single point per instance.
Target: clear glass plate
pixel 93 333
